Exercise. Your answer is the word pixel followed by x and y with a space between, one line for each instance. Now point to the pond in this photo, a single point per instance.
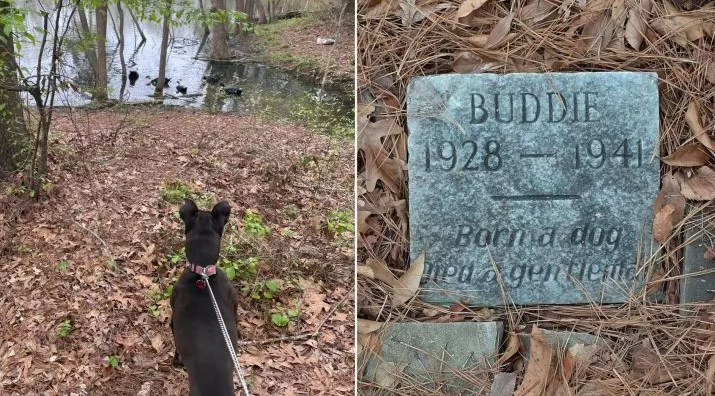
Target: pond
pixel 266 91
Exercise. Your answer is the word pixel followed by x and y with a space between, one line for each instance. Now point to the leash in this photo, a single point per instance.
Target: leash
pixel 226 338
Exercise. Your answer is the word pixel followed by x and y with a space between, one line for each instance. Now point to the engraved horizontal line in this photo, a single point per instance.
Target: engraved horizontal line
pixel 536 197
pixel 538 155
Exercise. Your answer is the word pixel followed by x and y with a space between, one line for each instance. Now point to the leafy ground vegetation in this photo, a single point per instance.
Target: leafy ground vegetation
pixel 89 267
pixel 663 348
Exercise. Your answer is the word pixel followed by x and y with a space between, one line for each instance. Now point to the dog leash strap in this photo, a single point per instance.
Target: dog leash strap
pixel 226 337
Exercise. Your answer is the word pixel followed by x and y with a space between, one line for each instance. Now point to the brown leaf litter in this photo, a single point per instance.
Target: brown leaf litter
pixel 108 171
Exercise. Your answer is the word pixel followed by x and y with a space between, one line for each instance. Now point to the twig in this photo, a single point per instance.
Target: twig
pixel 95 235
pixel 304 336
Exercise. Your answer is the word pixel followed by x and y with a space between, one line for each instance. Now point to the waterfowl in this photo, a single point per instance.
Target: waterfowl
pixel 212 79
pixel 236 91
pixel 180 88
pixel 324 41
pixel 133 77
pixel 156 80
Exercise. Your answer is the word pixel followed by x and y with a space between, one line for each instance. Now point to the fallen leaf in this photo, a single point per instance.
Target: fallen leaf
pixel 157 342
pixel 709 254
pixel 468 7
pixel 690 24
pixel 503 385
pixel 381 272
pixel 369 343
pixel 692 117
pixel 365 326
pixel 388 374
pixel 512 347
pixel 700 186
pixel 636 24
pixel 364 270
pixel 539 367
pixel 408 284
pixel 693 154
pixel 500 31
pixel 362 216
pixel 662 224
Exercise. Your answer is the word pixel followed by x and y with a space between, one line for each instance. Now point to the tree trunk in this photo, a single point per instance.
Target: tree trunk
pixel 203 14
pixel 101 81
pixel 13 131
pixel 240 7
pixel 136 23
pixel 261 11
pixel 89 52
pixel 219 40
pixel 159 91
pixel 120 11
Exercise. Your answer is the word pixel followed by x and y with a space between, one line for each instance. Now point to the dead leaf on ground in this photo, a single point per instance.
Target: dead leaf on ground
pixel 364 270
pixel 408 284
pixel 636 25
pixel 693 154
pixel 369 343
pixel 468 7
pixel 700 186
pixel 381 272
pixel 365 326
pixel 662 224
pixel 362 216
pixel 512 347
pixel 539 367
pixel 692 117
pixel 500 31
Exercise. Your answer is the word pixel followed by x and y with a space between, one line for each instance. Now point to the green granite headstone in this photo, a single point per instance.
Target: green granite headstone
pixel 532 188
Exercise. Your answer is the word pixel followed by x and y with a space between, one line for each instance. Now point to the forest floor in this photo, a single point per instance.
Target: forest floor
pixel 89 266
pixel 291 44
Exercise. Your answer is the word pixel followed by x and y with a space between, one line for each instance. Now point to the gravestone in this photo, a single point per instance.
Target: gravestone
pixel 433 353
pixel 532 188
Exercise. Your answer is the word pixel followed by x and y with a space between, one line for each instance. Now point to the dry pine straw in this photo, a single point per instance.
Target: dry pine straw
pixel 107 173
pixel 655 349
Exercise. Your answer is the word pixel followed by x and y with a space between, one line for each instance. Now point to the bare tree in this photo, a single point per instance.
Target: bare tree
pixel 219 40
pixel 13 131
pixel 159 91
pixel 87 37
pixel 100 84
pixel 120 11
pixel 261 10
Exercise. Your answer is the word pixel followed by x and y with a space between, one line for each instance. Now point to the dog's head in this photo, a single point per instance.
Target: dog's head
pixel 203 231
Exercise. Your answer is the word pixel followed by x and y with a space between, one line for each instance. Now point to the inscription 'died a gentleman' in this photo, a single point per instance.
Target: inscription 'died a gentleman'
pixel 539 183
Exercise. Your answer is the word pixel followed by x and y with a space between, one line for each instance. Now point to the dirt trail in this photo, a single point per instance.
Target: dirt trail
pixel 99 251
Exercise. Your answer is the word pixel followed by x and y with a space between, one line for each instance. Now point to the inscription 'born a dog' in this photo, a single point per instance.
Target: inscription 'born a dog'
pixel 531 188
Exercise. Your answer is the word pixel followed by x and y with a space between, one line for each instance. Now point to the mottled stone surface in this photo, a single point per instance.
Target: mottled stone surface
pixel 698 284
pixel 430 352
pixel 554 198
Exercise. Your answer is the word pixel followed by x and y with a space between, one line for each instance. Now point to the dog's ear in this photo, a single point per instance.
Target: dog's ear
pixel 188 213
pixel 219 214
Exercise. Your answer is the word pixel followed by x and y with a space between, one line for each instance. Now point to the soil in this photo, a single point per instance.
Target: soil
pixel 294 47
pixel 98 249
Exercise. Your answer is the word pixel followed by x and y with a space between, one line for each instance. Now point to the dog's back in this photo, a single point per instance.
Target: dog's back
pixel 200 345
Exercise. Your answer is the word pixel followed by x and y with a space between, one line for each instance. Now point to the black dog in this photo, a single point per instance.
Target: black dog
pixel 200 346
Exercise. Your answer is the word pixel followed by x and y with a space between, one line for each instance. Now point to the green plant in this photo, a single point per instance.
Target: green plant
pixel 281 316
pixel 340 221
pixel 264 290
pixel 253 224
pixel 246 269
pixel 64 329
pixel 62 265
pixel 178 256
pixel 113 361
pixel 175 192
pixel 287 232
